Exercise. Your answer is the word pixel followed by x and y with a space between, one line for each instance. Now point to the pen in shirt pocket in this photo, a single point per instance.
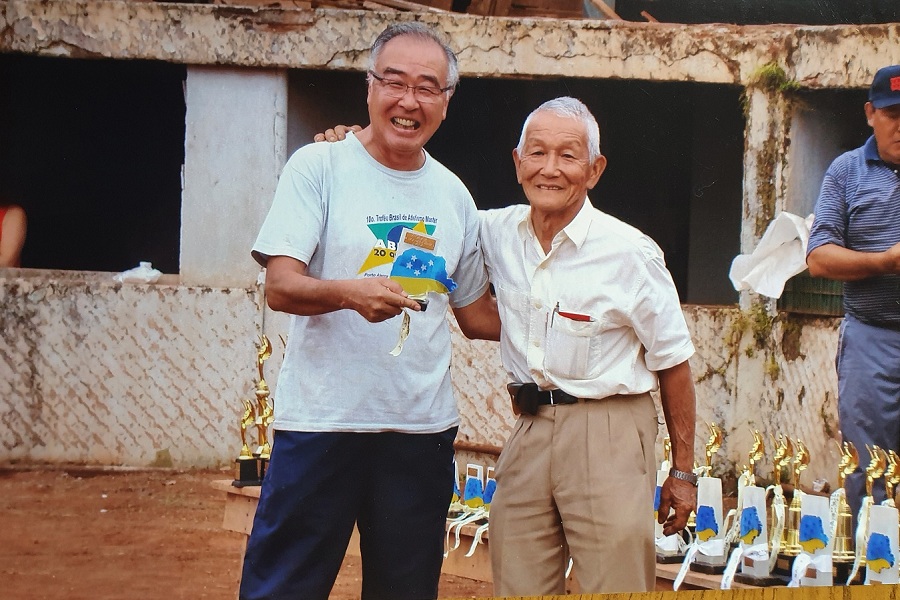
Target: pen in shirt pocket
pixel 571 315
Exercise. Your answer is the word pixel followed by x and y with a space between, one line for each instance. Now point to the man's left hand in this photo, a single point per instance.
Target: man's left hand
pixel 682 497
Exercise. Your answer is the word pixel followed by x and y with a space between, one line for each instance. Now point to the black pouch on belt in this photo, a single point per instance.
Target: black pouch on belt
pixel 524 397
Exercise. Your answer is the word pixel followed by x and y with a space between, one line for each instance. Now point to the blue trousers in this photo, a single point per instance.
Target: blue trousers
pixel 396 486
pixel 868 368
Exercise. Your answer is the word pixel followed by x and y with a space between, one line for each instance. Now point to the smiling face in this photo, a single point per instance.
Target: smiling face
pixel 555 168
pixel 885 123
pixel 400 127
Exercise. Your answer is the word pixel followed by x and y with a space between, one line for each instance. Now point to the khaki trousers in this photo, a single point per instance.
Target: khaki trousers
pixel 577 480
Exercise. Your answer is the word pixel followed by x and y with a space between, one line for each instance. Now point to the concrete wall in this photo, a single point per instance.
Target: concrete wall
pixel 86 380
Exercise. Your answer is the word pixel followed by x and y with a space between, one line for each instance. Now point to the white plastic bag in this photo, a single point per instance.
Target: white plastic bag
pixel 143 273
pixel 780 254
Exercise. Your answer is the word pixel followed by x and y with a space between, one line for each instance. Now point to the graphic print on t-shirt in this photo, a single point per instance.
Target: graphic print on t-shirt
pixel 408 248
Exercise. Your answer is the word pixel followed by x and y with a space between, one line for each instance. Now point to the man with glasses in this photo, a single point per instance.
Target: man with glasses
pixel 362 236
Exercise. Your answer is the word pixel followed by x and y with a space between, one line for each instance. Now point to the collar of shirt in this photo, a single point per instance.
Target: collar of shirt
pixel 576 230
pixel 870 153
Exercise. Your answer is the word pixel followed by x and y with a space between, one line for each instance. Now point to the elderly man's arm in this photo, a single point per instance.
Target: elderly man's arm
pixel 480 320
pixel 676 388
pixel 836 262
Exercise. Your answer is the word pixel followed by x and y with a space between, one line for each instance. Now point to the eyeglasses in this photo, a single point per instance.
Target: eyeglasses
pixel 395 88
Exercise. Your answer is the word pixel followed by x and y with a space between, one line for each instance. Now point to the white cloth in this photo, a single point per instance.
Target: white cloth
pixel 340 211
pixel 600 268
pixel 780 254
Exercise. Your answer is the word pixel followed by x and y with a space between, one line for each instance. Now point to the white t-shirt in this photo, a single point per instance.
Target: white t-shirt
pixel 594 317
pixel 342 213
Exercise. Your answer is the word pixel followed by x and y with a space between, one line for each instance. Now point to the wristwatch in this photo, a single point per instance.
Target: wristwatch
pixel 683 475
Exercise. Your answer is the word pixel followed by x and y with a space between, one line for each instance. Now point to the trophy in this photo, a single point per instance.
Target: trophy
pixel 843 551
pixel 250 467
pixel 779 563
pixel 710 529
pixel 753 553
pixel 246 466
pixel 265 413
pixel 813 565
pixel 882 536
pixel 891 478
pixel 874 470
pixel 790 539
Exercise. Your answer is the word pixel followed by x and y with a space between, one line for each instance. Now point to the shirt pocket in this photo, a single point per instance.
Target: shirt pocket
pixel 573 348
pixel 514 314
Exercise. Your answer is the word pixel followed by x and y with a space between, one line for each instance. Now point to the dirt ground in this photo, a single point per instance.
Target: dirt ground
pixel 92 535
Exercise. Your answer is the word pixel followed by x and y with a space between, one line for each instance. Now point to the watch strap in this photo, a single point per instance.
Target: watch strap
pixel 683 475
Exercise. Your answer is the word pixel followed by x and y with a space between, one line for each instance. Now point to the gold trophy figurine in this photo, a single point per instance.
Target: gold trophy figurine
pixel 891 477
pixel 712 446
pixel 790 541
pixel 247 419
pixel 263 407
pixel 843 534
pixel 783 454
pixel 246 466
pixel 779 562
pixel 875 469
pixel 756 454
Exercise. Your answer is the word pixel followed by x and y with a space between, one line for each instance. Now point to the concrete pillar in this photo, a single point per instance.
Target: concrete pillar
pixel 235 149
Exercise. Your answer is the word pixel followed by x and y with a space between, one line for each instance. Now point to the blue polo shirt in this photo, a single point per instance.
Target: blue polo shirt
pixel 859 209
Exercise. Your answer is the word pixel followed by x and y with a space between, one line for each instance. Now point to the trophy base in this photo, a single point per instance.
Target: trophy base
pixel 709 565
pixel 783 565
pixel 840 571
pixel 769 581
pixel 707 569
pixel 247 472
pixel 669 559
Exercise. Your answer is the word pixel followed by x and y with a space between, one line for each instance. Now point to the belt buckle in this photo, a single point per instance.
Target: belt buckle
pixel 552 400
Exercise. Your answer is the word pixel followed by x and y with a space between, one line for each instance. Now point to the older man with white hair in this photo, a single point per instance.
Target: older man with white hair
pixel 592 324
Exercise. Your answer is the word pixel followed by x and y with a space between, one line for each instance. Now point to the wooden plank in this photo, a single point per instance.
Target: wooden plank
pixel 606 10
pixel 239 511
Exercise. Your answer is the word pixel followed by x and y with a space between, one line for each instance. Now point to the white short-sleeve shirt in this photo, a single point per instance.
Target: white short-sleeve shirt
pixel 596 316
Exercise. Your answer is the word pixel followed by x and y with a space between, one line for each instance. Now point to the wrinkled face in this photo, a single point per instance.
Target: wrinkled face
pixel 885 122
pixel 555 169
pixel 402 126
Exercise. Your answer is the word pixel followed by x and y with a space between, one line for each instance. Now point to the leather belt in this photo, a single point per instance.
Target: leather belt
pixel 527 397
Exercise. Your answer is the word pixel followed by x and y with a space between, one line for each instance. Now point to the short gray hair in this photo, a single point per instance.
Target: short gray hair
pixel 572 108
pixel 422 32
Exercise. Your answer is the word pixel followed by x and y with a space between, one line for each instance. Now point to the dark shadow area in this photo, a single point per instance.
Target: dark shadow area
pixel 93 150
pixel 763 12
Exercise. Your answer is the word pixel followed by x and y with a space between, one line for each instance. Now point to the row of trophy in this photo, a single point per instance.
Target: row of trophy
pixel 766 541
pixel 471 505
pixel 250 466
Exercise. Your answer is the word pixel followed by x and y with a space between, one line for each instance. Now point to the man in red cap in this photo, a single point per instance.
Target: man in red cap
pixel 856 239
